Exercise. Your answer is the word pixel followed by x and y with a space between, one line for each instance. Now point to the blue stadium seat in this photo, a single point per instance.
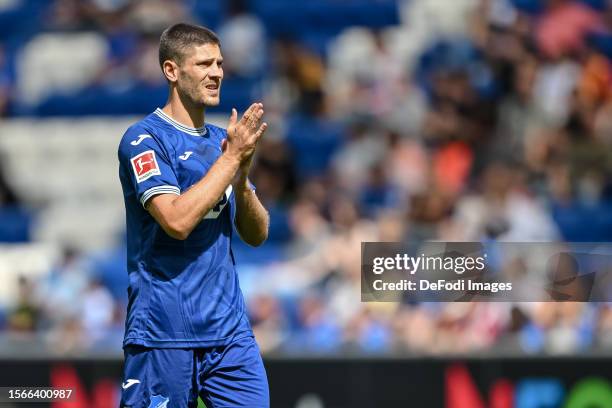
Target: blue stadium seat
pixel 238 93
pixel 25 19
pixel 98 100
pixel 135 99
pixel 319 138
pixel 530 6
pixel 571 220
pixel 264 254
pixel 15 224
pixel 111 268
pixel 599 5
pixel 210 12
pixel 296 19
pixel 601 42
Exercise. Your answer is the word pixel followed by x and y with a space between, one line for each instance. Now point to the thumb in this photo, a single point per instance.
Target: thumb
pixel 234 117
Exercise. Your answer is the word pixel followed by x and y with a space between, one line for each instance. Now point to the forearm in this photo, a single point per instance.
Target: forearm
pixel 252 219
pixel 180 215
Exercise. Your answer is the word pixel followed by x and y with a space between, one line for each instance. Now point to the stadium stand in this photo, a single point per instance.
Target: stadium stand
pixel 390 120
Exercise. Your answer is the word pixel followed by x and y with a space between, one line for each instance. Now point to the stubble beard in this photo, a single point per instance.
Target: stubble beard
pixel 194 96
pixel 210 101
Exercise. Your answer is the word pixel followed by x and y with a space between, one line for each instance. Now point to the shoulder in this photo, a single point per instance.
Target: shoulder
pixel 132 133
pixel 142 135
pixel 141 127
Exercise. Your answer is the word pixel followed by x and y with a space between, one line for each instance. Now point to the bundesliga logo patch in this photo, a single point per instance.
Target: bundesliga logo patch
pixel 145 166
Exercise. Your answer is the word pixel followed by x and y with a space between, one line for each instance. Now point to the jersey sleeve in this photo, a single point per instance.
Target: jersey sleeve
pixel 147 165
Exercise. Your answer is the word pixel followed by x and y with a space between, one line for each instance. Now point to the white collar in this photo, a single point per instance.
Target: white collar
pixel 192 131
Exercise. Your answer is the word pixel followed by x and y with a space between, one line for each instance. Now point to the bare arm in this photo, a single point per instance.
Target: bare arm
pixel 178 216
pixel 252 219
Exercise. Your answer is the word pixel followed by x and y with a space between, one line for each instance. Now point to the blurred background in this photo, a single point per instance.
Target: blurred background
pixel 390 120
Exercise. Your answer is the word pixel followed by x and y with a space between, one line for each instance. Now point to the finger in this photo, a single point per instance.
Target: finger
pixel 233 117
pixel 260 132
pixel 255 119
pixel 248 113
pixel 256 112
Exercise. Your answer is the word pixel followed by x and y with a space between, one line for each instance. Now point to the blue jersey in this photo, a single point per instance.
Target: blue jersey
pixel 182 294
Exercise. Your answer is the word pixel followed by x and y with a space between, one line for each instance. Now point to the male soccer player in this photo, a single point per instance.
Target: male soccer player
pixel 185 185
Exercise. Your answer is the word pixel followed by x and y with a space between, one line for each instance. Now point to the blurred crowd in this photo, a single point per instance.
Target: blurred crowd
pixel 462 121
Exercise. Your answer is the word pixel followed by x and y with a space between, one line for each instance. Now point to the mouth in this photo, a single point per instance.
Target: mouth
pixel 212 87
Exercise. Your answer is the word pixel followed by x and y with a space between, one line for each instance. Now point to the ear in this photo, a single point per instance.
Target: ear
pixel 170 70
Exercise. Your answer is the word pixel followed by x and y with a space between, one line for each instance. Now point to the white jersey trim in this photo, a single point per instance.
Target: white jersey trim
pixel 192 131
pixel 158 190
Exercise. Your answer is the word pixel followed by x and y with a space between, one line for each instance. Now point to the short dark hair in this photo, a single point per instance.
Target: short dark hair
pixel 175 40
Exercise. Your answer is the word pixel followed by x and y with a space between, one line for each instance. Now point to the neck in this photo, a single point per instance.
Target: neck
pixel 184 111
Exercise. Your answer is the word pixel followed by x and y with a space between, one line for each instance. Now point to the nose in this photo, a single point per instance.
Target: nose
pixel 216 71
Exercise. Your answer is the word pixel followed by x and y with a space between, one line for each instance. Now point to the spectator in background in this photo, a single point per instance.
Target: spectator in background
pixel 6 85
pixel 364 147
pixel 97 311
pixel 60 292
pixel 317 330
pixel 604 327
pixel 304 71
pixel 562 28
pixel 268 321
pixel 244 43
pixel 25 317
pixel 559 328
pixel 492 119
pixel 15 219
pixel 518 117
pixel 502 209
pixel 7 194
